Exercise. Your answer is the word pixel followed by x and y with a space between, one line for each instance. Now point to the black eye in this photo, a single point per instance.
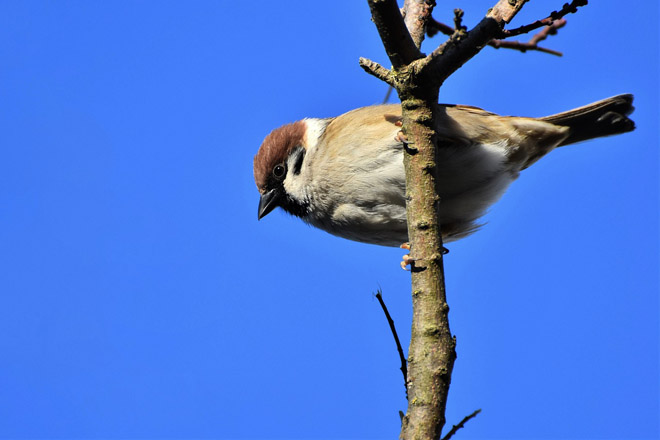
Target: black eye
pixel 279 171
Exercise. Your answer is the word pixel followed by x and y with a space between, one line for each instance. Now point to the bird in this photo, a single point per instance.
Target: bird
pixel 345 174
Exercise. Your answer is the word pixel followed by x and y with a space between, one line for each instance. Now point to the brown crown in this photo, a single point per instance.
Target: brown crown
pixel 275 149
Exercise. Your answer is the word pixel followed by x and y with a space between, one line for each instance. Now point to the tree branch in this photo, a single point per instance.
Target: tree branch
pixel 462 423
pixel 547 31
pixel 399 45
pixel 568 8
pixel 532 44
pixel 375 69
pixel 434 27
pixel 417 80
pixel 504 11
pixel 451 55
pixel 402 357
pixel 415 15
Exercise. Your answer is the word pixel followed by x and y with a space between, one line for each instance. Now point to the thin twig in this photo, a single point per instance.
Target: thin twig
pixel 376 70
pixel 388 94
pixel 532 44
pixel 458 20
pixel 547 31
pixel 460 425
pixel 435 26
pixel 568 8
pixel 402 357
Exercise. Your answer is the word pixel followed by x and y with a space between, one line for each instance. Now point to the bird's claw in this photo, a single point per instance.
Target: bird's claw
pixel 407 145
pixel 407 260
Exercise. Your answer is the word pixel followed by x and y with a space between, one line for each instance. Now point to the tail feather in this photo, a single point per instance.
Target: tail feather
pixel 602 118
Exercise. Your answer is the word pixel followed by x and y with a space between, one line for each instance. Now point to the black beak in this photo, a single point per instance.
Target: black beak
pixel 268 202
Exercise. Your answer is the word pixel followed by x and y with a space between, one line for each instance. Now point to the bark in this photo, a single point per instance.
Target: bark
pixel 417 80
pixel 432 348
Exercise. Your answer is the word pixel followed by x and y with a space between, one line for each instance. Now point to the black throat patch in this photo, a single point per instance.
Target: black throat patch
pixel 294 207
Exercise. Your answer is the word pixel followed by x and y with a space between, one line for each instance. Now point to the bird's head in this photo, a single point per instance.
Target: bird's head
pixel 277 169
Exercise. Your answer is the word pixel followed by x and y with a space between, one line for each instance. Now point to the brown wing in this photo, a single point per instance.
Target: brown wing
pixel 524 140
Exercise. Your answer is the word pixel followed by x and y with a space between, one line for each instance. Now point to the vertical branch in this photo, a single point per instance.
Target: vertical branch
pixel 432 349
pixel 417 80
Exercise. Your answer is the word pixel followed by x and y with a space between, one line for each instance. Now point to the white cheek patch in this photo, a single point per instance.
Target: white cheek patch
pixel 315 129
pixel 296 184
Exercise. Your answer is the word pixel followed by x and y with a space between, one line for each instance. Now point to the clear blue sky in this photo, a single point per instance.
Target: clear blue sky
pixel 140 297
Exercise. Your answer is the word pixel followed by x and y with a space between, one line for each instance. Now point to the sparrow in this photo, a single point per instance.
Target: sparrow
pixel 345 174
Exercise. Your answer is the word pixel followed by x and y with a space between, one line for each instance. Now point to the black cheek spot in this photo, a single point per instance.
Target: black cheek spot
pixel 298 155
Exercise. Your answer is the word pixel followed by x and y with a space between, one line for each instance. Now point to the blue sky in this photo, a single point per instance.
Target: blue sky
pixel 142 299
